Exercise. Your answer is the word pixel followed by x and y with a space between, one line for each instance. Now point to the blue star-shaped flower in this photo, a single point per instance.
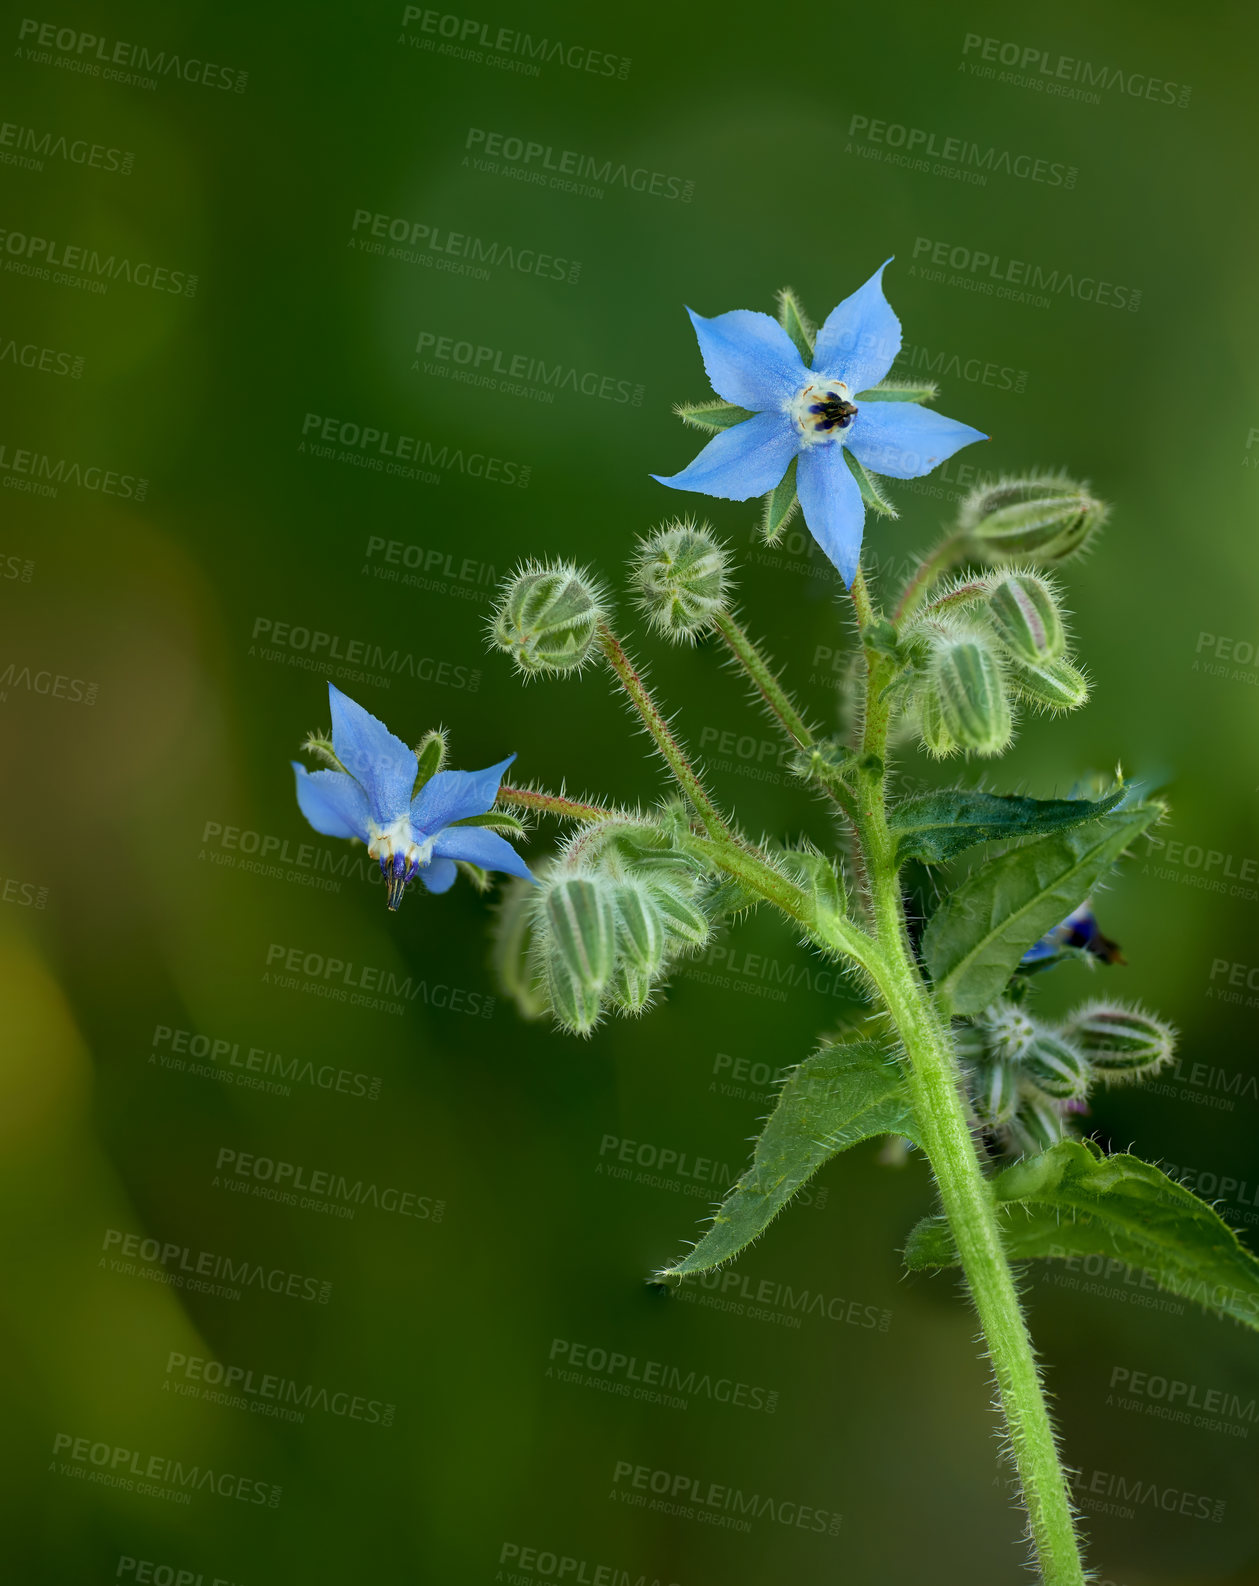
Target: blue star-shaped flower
pixel 1078 933
pixel 374 799
pixel 814 414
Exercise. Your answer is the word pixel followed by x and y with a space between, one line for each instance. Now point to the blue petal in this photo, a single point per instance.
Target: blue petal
pixel 746 460
pixel 831 502
pixel 438 875
pixel 480 846
pixel 860 339
pixel 454 795
pixel 383 764
pixel 749 358
pixel 332 802
pixel 904 440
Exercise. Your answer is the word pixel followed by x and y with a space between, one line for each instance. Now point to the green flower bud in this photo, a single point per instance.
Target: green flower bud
pixel 936 737
pixel 965 677
pixel 995 1092
pixel 1023 611
pixel 548 617
pixel 1052 685
pixel 580 925
pixel 640 928
pixel 514 956
pixel 1047 518
pixel 1008 1030
pixel 1123 1043
pixel 681 573
pixel 1035 1126
pixel 685 922
pixel 1056 1066
pixel 575 1004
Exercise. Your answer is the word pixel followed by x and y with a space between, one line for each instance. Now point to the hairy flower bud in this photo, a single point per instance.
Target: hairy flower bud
pixel 1122 1042
pixel 515 959
pixel 1023 611
pixel 685 922
pixel 1008 1030
pixel 995 1092
pixel 1055 1065
pixel 640 928
pixel 1036 1126
pixel 681 573
pixel 577 930
pixel 1052 685
pixel 965 678
pixel 547 617
pixel 1046 518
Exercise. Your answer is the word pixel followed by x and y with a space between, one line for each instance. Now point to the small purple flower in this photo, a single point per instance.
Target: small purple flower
pixel 411 832
pixel 815 415
pixel 1078 933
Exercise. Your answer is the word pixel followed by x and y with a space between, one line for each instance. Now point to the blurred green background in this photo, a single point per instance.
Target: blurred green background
pixel 148 888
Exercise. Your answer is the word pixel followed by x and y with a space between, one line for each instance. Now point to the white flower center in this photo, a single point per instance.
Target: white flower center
pixel 821 411
pixel 397 838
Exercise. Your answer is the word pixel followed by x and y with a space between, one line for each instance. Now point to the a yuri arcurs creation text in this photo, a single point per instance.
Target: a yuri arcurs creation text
pixel 951 1057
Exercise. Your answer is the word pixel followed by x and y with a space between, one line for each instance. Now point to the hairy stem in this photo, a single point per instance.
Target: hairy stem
pixel 671 750
pixel 564 809
pixel 947 554
pixel 935 1084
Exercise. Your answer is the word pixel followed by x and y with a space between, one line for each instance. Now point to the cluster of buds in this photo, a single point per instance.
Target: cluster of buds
pixel 603 927
pixel 548 617
pixel 983 647
pixel 681 574
pixel 1029 1077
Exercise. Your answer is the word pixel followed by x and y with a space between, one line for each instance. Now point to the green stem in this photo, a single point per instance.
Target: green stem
pixel 935 1084
pixel 669 747
pixel 564 809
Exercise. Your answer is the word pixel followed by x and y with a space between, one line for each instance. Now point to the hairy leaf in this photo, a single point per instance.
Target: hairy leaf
pixel 1073 1201
pixel 842 1095
pixel 870 487
pixel 795 322
pixel 937 826
pixel 975 939
pixel 780 505
pixel 714 415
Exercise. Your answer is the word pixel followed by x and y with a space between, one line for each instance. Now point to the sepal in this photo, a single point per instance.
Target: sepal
pixel 548 617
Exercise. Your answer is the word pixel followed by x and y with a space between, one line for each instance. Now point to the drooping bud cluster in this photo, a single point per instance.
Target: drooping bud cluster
pixel 1027 1076
pixel 682 575
pixel 602 928
pixel 547 617
pixel 1042 517
pixel 985 644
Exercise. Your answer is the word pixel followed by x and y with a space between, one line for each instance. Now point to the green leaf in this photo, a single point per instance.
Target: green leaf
pixel 1073 1201
pixel 842 1095
pixel 795 322
pixel 780 505
pixel 871 488
pixel 937 826
pixel 974 940
pixel 713 415
pixel 899 391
